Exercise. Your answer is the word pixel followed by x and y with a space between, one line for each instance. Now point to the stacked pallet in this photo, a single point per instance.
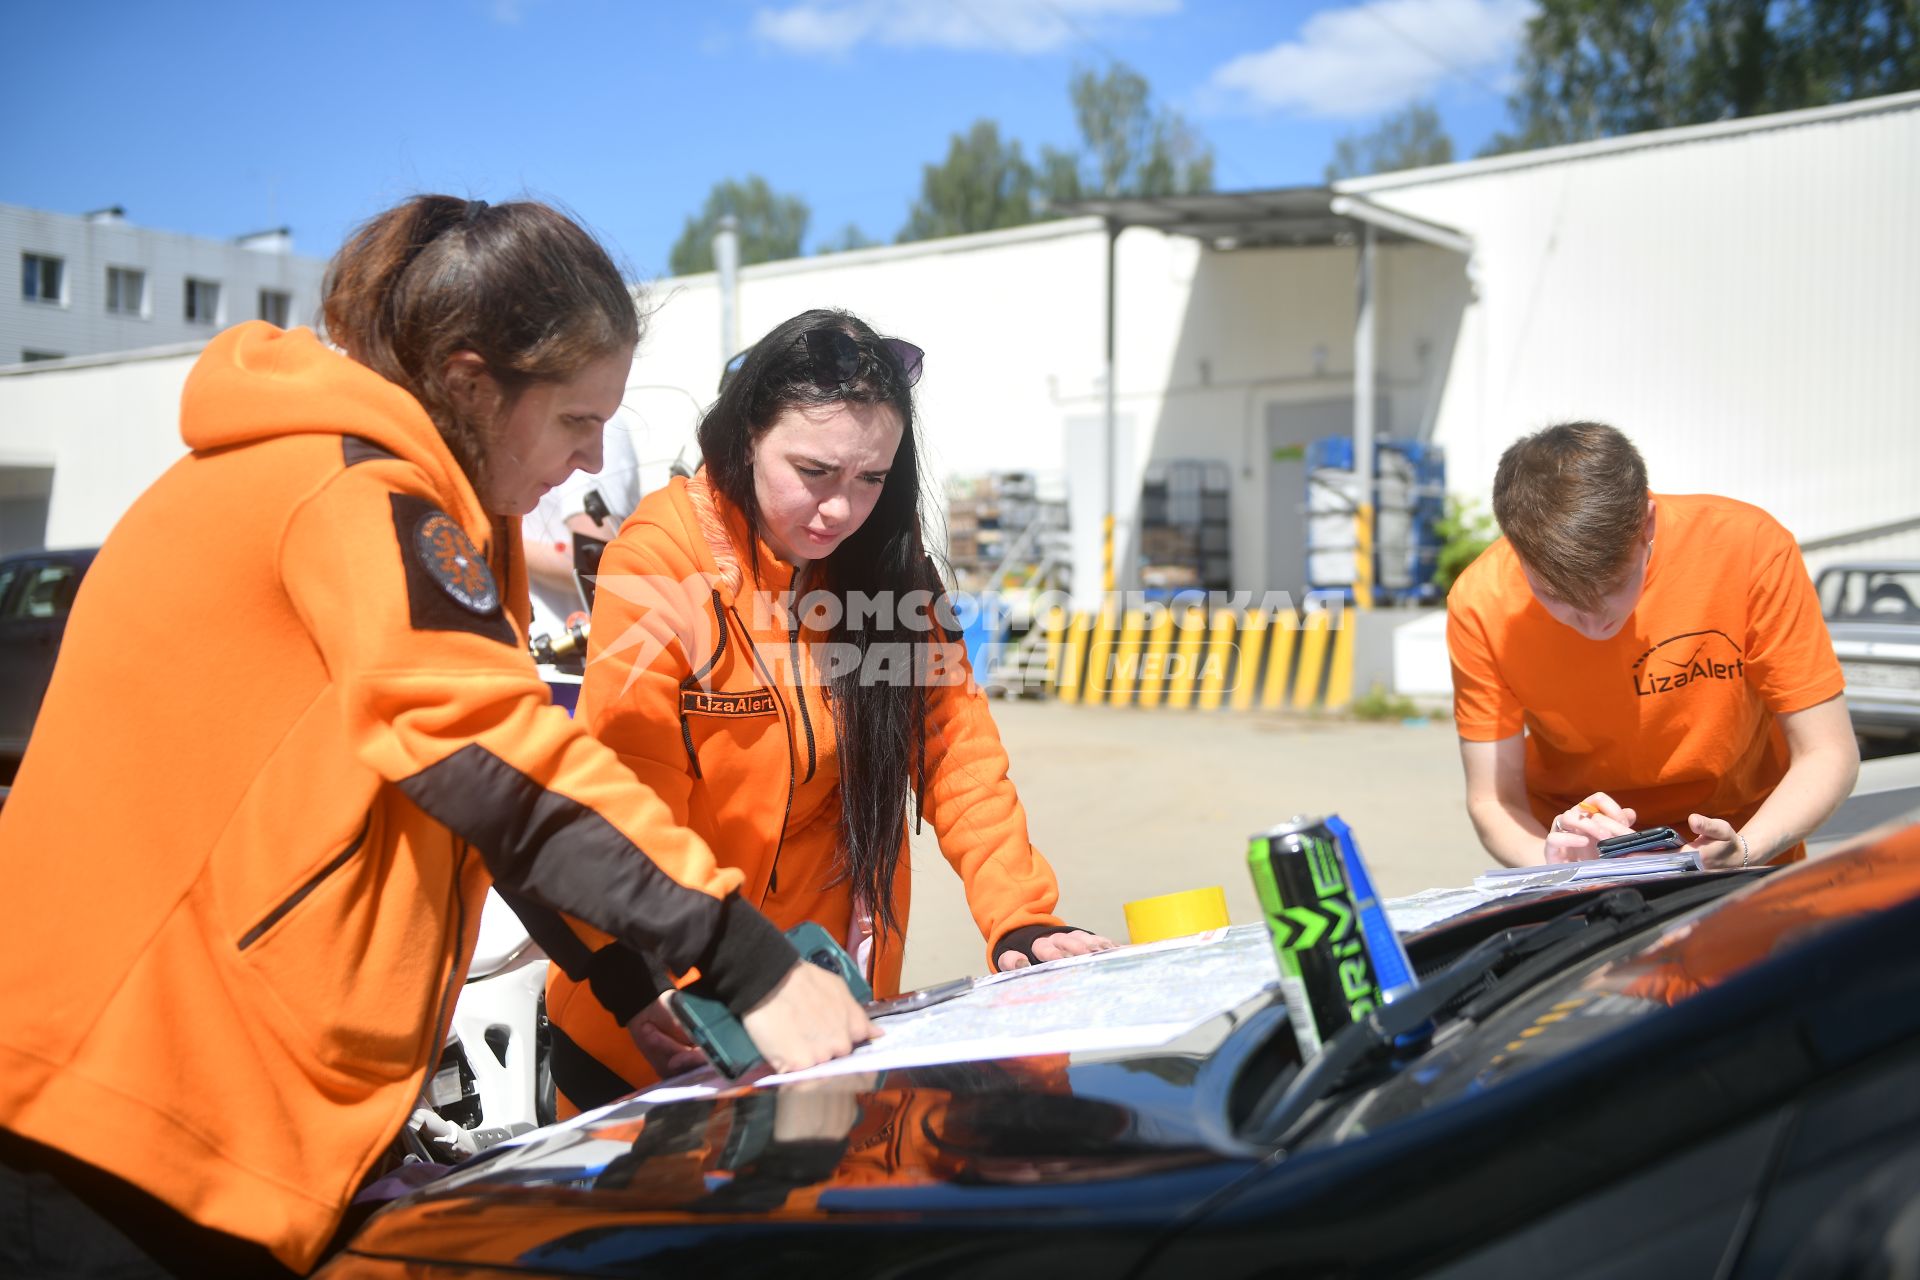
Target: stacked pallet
pixel 1184 530
pixel 983 512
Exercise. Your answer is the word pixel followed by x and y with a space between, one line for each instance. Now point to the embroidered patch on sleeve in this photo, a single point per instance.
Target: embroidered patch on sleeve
pixel 754 702
pixel 449 586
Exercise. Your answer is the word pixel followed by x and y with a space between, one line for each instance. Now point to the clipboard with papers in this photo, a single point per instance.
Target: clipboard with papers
pixel 1624 868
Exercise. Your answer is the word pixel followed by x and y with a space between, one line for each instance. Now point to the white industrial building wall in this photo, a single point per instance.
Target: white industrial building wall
pixel 1013 324
pixel 107 429
pixel 1742 299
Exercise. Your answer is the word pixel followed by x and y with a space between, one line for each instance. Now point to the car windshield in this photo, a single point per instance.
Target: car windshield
pixel 1557 1015
pixel 1871 595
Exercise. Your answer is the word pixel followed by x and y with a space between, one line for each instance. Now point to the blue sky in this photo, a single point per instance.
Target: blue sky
pixel 219 117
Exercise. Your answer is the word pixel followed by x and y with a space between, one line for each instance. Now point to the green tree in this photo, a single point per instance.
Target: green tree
pixel 771 225
pixel 1465 531
pixel 1127 147
pixel 1598 68
pixel 845 239
pixel 1407 139
pixel 983 185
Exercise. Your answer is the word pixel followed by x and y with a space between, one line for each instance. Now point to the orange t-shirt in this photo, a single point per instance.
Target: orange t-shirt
pixel 1675 714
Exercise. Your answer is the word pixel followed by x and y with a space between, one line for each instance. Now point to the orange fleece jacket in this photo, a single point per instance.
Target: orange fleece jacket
pixel 693 684
pixel 291 733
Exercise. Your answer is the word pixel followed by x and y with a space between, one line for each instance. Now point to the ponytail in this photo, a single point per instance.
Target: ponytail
pixel 520 284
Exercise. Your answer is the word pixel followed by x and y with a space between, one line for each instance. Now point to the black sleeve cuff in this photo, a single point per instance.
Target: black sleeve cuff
pixel 622 980
pixel 1023 938
pixel 746 959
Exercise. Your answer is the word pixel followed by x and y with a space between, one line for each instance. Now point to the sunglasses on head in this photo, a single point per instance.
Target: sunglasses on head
pixel 836 357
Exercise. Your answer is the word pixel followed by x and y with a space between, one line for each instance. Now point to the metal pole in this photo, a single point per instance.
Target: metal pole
pixel 1112 423
pixel 726 262
pixel 1363 406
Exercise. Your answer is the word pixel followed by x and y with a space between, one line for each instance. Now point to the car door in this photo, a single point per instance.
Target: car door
pixel 36 594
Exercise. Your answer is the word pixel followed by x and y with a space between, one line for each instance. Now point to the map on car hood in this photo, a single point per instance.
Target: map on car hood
pixel 1130 998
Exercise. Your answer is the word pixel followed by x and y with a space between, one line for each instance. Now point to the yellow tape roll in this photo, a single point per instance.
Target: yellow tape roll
pixel 1175 915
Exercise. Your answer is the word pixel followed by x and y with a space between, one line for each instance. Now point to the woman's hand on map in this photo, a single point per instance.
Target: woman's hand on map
pixel 1715 840
pixel 1053 946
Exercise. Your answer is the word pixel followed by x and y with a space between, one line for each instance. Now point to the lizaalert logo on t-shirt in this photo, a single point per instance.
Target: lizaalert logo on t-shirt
pixel 1691 658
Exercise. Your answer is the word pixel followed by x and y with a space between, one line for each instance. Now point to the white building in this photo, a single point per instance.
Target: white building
pixel 1743 299
pixel 96 283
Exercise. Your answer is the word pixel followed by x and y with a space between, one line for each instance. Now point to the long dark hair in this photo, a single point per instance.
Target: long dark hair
pixel 521 284
pixel 880 726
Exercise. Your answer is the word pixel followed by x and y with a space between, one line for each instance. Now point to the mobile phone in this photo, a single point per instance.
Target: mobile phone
pixel 718 1034
pixel 908 1001
pixel 715 1032
pixel 1650 840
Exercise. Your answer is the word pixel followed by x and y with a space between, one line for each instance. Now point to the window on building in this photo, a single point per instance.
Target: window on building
pixel 30 356
pixel 126 291
pixel 203 301
pixel 41 277
pixel 275 306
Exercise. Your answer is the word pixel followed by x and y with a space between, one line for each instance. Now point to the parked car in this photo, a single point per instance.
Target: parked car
pixel 1873 612
pixel 1697 1075
pixel 36 594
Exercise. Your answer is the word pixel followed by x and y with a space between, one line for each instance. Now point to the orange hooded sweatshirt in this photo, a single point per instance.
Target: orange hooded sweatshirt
pixel 691 678
pixel 291 734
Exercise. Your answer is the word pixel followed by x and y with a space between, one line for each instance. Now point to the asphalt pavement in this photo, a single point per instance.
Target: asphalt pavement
pixel 1128 803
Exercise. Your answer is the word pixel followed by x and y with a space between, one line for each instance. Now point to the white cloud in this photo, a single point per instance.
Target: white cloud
pixel 834 27
pixel 1374 56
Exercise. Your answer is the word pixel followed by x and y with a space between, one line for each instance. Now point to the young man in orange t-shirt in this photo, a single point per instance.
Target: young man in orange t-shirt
pixel 1627 659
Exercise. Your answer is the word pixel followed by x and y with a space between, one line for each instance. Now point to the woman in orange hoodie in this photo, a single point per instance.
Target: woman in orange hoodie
pixel 773 654
pixel 244 858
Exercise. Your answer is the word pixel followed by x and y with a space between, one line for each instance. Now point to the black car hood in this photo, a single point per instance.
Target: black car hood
pixel 726 1177
pixel 954 1162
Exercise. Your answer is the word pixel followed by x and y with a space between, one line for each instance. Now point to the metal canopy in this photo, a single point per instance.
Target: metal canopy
pixel 1285 217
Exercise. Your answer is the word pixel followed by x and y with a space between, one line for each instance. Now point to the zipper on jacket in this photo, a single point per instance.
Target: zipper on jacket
pixel 773 872
pixel 799 673
pixel 314 881
pixel 456 972
pixel 694 677
pixel 686 740
pixel 456 978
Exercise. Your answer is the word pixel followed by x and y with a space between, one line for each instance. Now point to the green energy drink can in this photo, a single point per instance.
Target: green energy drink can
pixel 1326 973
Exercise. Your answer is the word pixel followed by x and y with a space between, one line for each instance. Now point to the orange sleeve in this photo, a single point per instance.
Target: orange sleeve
pixel 449 707
pixel 1789 650
pixel 1485 708
pixel 976 814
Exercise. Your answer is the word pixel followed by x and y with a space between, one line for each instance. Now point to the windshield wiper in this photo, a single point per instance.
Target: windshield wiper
pixel 1527 954
pixel 1543 964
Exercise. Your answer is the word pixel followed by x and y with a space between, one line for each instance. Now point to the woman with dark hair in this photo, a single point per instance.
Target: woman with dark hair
pixel 245 860
pixel 772 653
